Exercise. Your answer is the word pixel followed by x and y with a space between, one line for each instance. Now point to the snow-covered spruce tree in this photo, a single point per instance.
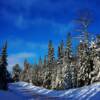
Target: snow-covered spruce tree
pixel 54 75
pixel 48 77
pixel 86 56
pixel 61 51
pixel 98 41
pixel 95 56
pixel 40 72
pixel 80 62
pixel 84 60
pixel 50 66
pixel 45 61
pixel 85 67
pixel 44 69
pixel 98 46
pixel 26 73
pixel 16 73
pixel 3 68
pixel 67 75
pixel 50 53
pixel 59 74
pixel 74 70
pixel 35 71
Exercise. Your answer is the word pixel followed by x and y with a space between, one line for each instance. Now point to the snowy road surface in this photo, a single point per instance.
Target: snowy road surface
pixel 25 91
pixel 7 95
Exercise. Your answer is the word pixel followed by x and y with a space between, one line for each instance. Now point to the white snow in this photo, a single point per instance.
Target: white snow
pixel 26 91
pixel 5 95
pixel 98 49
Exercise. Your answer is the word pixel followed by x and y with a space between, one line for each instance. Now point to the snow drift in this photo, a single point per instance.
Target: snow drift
pixel 30 92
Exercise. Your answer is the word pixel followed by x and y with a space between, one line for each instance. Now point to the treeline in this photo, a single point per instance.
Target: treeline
pixel 66 71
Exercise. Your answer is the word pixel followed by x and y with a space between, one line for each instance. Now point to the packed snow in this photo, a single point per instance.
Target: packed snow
pixel 26 91
pixel 5 95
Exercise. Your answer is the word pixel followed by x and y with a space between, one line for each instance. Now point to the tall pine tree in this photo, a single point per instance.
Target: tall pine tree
pixel 67 68
pixel 3 68
pixel 50 65
pixel 84 58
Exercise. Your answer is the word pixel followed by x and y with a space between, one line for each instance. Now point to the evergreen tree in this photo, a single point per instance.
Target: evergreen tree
pixel 50 52
pixel 3 68
pixel 35 74
pixel 45 61
pixel 84 60
pixel 85 67
pixel 98 41
pixel 95 72
pixel 26 73
pixel 50 65
pixel 61 52
pixel 16 73
pixel 59 66
pixel 40 72
pixel 40 62
pixel 44 68
pixel 80 62
pixel 98 46
pixel 67 69
pixel 74 72
pixel 68 51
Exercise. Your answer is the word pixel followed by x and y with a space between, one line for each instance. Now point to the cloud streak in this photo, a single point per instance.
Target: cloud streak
pixel 19 59
pixel 56 10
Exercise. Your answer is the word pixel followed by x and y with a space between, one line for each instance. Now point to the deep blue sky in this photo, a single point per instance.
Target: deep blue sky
pixel 27 25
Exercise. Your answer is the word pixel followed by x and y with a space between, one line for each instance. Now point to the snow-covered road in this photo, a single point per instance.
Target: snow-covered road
pixel 8 95
pixel 26 91
pixel 28 94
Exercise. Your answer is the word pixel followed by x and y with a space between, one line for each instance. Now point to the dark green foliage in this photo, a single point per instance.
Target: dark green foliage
pixel 98 40
pixel 3 69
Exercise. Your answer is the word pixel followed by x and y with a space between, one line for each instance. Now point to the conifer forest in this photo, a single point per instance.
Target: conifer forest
pixel 66 71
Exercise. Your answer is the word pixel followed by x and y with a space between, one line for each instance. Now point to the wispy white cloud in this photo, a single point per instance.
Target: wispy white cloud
pixel 56 10
pixel 26 45
pixel 42 23
pixel 24 49
pixel 23 55
pixel 19 58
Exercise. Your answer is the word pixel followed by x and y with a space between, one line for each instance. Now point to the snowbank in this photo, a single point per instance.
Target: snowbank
pixel 7 95
pixel 91 92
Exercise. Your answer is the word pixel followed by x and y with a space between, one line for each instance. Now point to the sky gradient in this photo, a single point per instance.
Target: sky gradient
pixel 28 25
